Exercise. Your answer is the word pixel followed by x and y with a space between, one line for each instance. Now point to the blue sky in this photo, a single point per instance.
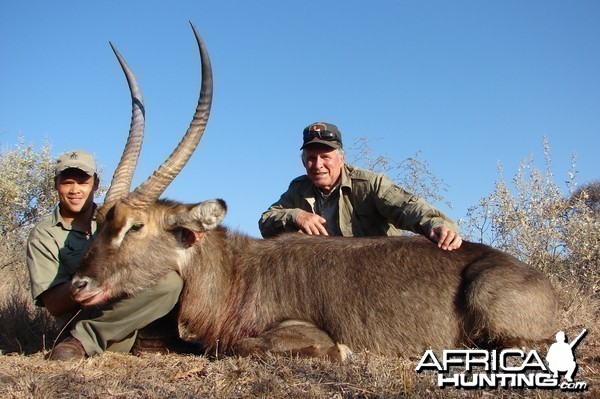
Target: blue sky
pixel 467 83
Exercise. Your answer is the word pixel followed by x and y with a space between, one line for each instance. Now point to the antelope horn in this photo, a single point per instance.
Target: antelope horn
pixel 121 181
pixel 149 191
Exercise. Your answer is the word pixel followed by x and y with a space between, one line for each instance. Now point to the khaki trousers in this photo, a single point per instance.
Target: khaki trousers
pixel 114 327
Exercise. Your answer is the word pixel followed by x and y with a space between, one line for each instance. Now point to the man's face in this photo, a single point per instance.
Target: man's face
pixel 323 166
pixel 75 192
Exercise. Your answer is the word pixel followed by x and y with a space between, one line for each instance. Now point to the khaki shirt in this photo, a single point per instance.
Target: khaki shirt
pixel 370 204
pixel 54 250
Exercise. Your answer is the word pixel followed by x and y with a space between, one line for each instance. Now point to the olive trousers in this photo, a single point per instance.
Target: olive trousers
pixel 114 327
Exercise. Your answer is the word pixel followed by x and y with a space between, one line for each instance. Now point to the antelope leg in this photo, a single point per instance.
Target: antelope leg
pixel 295 337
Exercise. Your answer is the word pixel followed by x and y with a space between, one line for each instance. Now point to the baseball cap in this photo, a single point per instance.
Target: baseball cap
pixel 322 133
pixel 77 159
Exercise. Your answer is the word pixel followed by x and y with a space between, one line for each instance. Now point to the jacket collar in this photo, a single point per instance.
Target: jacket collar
pixel 345 181
pixel 57 219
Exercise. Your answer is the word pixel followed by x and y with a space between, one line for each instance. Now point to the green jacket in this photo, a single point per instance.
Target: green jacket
pixel 370 204
pixel 54 250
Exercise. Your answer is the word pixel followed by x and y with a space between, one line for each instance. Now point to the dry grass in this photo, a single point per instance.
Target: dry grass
pixel 114 375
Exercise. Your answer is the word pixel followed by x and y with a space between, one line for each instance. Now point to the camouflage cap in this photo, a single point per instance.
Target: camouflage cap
pixel 322 133
pixel 76 159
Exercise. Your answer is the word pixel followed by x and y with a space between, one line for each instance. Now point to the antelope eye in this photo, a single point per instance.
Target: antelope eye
pixel 136 227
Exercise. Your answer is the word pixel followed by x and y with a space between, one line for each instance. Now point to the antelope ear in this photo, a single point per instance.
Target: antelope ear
pixel 200 217
pixel 189 237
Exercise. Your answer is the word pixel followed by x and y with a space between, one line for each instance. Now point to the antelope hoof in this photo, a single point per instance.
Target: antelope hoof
pixel 341 353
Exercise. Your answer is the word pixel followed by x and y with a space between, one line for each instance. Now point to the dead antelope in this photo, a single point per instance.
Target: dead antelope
pixel 300 294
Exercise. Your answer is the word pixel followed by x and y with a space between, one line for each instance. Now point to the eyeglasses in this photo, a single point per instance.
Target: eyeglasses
pixel 322 134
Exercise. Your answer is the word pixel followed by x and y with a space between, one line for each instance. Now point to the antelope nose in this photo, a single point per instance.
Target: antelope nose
pixel 77 284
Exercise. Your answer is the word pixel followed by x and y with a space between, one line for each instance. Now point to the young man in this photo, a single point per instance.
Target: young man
pixel 54 249
pixel 335 198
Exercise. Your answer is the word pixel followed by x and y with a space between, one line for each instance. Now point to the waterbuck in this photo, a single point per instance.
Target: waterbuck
pixel 317 296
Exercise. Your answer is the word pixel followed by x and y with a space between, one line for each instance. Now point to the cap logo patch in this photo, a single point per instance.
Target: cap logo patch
pixel 73 155
pixel 317 127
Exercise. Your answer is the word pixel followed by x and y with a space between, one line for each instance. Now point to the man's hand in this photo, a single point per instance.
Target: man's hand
pixel 445 237
pixel 58 299
pixel 311 223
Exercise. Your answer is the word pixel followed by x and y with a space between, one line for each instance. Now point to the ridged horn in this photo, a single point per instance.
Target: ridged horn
pixel 120 185
pixel 149 191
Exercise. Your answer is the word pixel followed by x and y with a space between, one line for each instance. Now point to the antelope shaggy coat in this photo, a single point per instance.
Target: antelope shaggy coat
pixel 310 295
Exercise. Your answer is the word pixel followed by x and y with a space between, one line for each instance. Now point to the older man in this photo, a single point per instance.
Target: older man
pixel 145 322
pixel 335 198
